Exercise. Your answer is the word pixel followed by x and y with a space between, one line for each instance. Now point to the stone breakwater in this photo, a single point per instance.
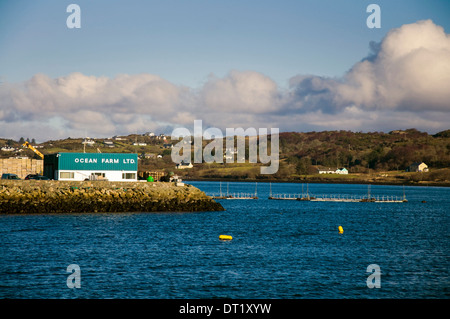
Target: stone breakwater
pixel 34 196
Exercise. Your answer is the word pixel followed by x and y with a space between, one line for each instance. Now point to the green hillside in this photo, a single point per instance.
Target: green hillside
pixel 368 157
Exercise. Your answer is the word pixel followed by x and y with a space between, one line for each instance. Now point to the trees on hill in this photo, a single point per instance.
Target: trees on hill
pixel 360 152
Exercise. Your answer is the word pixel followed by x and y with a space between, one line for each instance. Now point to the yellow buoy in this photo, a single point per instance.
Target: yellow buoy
pixel 341 230
pixel 225 237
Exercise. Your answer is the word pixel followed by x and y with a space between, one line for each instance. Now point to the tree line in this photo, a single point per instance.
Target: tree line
pixel 361 152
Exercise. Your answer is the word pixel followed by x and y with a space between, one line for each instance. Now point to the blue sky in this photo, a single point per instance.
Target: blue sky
pixel 196 44
pixel 185 41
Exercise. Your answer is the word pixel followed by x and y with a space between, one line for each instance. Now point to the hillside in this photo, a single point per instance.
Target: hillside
pixel 368 157
pixel 361 152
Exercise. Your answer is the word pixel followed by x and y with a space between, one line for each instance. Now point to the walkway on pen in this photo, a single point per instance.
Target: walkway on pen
pixel 307 196
pixel 339 198
pixel 240 195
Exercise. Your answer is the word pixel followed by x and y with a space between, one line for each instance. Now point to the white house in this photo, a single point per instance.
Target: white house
pixel 118 138
pixel 88 141
pixel 326 171
pixel 341 170
pixel 183 165
pixel 418 167
pixel 108 143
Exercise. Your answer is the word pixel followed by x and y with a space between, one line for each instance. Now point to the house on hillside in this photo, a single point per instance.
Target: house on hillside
pixel 148 155
pixel 322 170
pixel 108 144
pixel 88 141
pixel 119 138
pixel 341 170
pixel 183 165
pixel 417 167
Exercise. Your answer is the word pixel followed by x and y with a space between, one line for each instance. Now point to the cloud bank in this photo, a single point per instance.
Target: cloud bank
pixel 404 82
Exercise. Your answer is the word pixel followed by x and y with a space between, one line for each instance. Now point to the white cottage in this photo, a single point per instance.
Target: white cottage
pixel 341 170
pixel 418 167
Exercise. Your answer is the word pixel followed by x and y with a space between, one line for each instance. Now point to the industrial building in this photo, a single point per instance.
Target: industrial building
pixel 117 167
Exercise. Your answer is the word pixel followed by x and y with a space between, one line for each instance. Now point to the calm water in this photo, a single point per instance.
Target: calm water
pixel 280 249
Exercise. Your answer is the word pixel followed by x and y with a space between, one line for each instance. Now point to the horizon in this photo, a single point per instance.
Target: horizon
pixel 192 135
pixel 298 66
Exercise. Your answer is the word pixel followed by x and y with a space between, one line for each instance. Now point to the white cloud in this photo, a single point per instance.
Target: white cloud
pixel 411 71
pixel 406 78
pixel 97 105
pixel 242 92
pixel 403 83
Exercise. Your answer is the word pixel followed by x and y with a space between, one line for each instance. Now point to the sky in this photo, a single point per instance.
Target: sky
pixel 140 66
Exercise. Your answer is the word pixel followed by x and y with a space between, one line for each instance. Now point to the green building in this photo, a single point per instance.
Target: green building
pixel 117 167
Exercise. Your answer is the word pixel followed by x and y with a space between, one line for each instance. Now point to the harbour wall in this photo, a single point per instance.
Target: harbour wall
pixel 40 196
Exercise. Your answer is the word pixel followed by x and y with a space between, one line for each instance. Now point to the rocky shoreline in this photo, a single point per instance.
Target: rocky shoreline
pixel 34 196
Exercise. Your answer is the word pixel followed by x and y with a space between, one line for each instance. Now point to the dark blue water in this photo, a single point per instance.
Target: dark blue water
pixel 280 249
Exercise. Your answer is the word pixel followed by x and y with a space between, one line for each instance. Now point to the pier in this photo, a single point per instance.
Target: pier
pixel 307 196
pixel 239 195
pixel 340 198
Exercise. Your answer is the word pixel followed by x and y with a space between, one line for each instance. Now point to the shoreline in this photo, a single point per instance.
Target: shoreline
pixel 41 197
pixel 325 181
